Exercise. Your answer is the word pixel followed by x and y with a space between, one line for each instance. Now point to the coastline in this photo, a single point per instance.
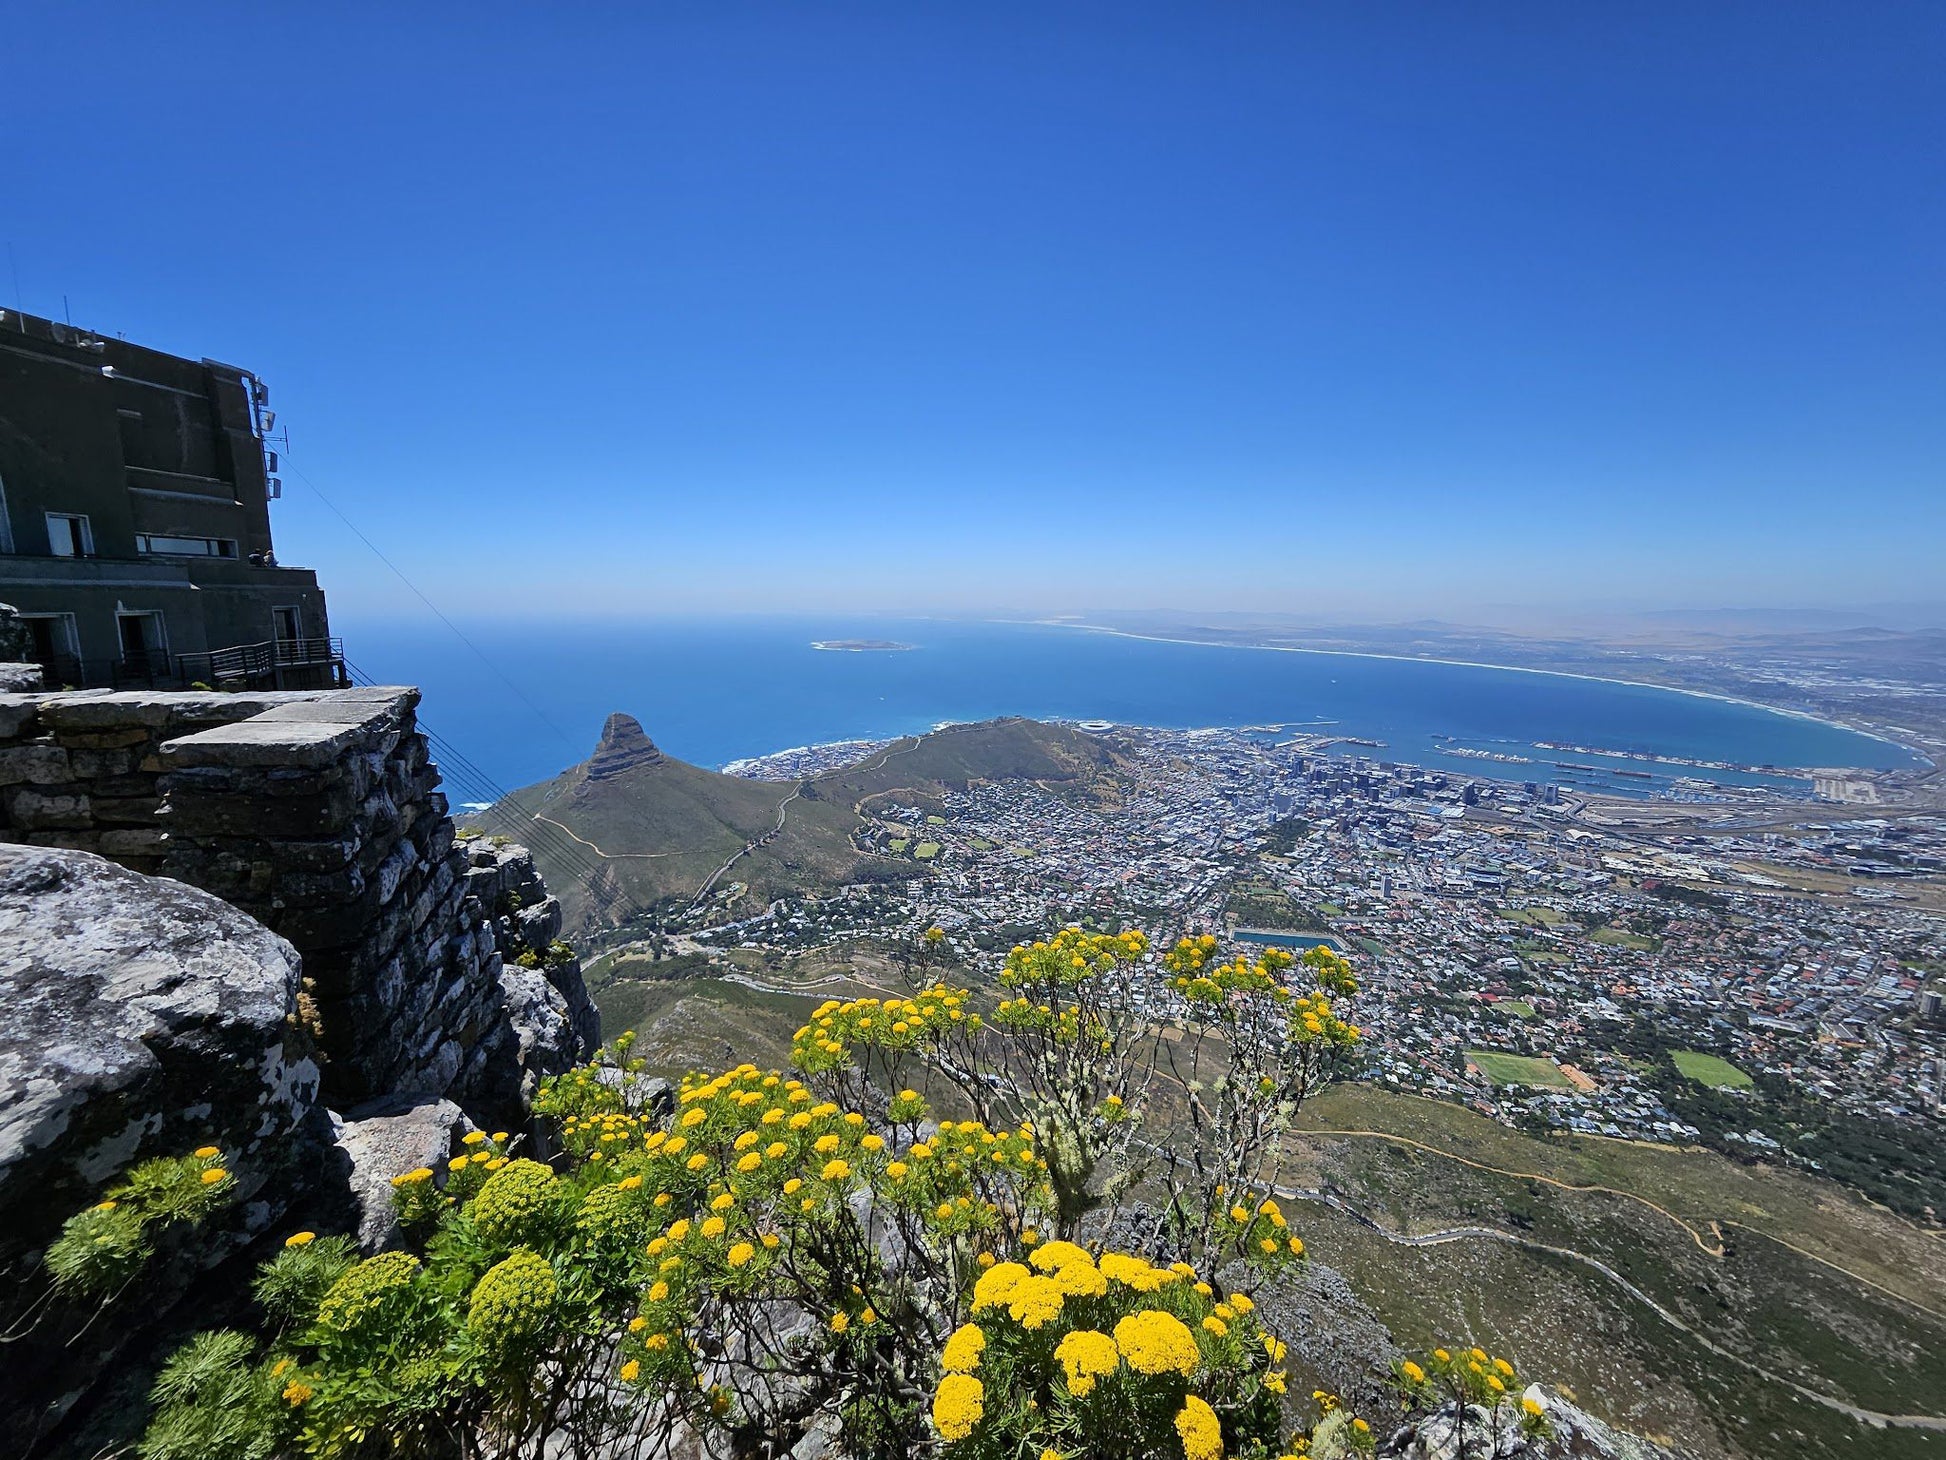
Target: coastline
pixel 1868 732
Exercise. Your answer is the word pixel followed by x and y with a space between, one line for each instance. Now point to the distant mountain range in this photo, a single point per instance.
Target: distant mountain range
pixel 631 829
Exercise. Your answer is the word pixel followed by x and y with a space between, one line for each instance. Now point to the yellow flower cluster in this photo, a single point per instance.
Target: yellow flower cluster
pixel 1108 1323
pixel 1086 1356
pixel 1262 1234
pixel 1313 1022
pixel 1138 1274
pixel 962 1352
pixel 1058 1023
pixel 965 1176
pixel 1203 983
pixel 1157 1342
pixel 1070 957
pixel 1200 1430
pixel 418 1196
pixel 1331 969
pixel 1473 1374
pixel 515 1203
pixel 600 1136
pixel 958 1405
pixel 894 1025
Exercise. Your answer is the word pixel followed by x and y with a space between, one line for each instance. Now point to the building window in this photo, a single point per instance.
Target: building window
pixel 155 544
pixel 6 522
pixel 69 536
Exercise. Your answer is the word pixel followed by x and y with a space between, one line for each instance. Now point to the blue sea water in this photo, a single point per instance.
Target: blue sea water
pixel 715 690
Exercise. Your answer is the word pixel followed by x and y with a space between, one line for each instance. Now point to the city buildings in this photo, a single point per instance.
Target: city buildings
pixel 135 538
pixel 1529 954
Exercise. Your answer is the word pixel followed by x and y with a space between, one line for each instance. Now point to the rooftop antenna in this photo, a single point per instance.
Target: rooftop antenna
pixel 67 311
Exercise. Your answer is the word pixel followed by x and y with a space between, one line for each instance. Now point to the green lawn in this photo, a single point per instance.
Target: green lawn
pixel 926 851
pixel 935 821
pixel 1708 1069
pixel 1518 1069
pixel 1519 1008
pixel 1534 917
pixel 1622 938
pixel 900 844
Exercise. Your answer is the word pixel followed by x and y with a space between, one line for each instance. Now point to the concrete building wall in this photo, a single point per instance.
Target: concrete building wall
pixel 146 447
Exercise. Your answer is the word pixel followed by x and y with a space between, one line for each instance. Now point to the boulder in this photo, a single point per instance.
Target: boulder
pixel 641 1094
pixel 16 643
pixel 548 1043
pixel 540 924
pixel 1573 1434
pixel 584 1019
pixel 144 1018
pixel 384 1138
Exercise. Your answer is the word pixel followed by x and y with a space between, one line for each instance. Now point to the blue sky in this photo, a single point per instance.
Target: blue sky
pixel 1361 308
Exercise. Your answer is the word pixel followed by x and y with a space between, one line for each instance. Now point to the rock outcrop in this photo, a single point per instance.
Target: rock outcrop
pixel 144 1018
pixel 321 936
pixel 624 747
pixel 1572 1434
pixel 16 644
pixel 320 814
pixel 385 1138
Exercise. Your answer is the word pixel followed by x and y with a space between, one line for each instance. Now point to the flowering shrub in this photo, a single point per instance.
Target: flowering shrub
pixel 1475 1384
pixel 828 1247
pixel 101 1248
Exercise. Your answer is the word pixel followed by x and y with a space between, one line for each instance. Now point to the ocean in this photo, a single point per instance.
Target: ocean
pixel 711 691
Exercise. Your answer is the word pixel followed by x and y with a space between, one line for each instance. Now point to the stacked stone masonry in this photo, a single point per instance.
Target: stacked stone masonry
pixel 319 814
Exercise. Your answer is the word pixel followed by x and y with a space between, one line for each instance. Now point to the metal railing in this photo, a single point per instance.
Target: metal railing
pixel 273 664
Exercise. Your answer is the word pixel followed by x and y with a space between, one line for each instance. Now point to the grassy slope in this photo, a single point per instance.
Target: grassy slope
pixel 1778 1307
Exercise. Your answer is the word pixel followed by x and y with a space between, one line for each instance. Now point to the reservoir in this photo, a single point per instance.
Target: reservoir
pixel 1276 938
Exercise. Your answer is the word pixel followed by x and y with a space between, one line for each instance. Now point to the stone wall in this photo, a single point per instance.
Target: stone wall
pixel 319 814
pixel 81 770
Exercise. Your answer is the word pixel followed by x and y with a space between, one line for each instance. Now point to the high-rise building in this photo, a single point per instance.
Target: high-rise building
pixel 135 491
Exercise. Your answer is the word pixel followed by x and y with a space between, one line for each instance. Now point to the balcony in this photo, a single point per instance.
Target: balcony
pixel 273 664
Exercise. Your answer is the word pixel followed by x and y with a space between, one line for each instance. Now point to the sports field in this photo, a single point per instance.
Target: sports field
pixel 1708 1069
pixel 1518 1069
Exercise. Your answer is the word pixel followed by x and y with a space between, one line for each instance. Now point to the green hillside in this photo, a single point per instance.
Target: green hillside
pixel 631 828
pixel 1797 1281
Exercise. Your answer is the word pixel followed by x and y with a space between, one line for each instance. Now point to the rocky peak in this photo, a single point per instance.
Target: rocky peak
pixel 623 747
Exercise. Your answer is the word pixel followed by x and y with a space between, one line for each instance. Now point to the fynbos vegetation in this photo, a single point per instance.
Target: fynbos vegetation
pixel 948 1232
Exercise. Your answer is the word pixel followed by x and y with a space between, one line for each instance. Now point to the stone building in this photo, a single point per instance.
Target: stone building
pixel 135 540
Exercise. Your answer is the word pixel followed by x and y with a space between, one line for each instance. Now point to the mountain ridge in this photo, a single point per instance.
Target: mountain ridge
pixel 633 828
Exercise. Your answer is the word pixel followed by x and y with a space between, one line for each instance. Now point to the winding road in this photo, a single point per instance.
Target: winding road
pixel 1443 1235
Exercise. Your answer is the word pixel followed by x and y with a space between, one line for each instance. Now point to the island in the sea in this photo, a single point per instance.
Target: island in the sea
pixel 863 646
